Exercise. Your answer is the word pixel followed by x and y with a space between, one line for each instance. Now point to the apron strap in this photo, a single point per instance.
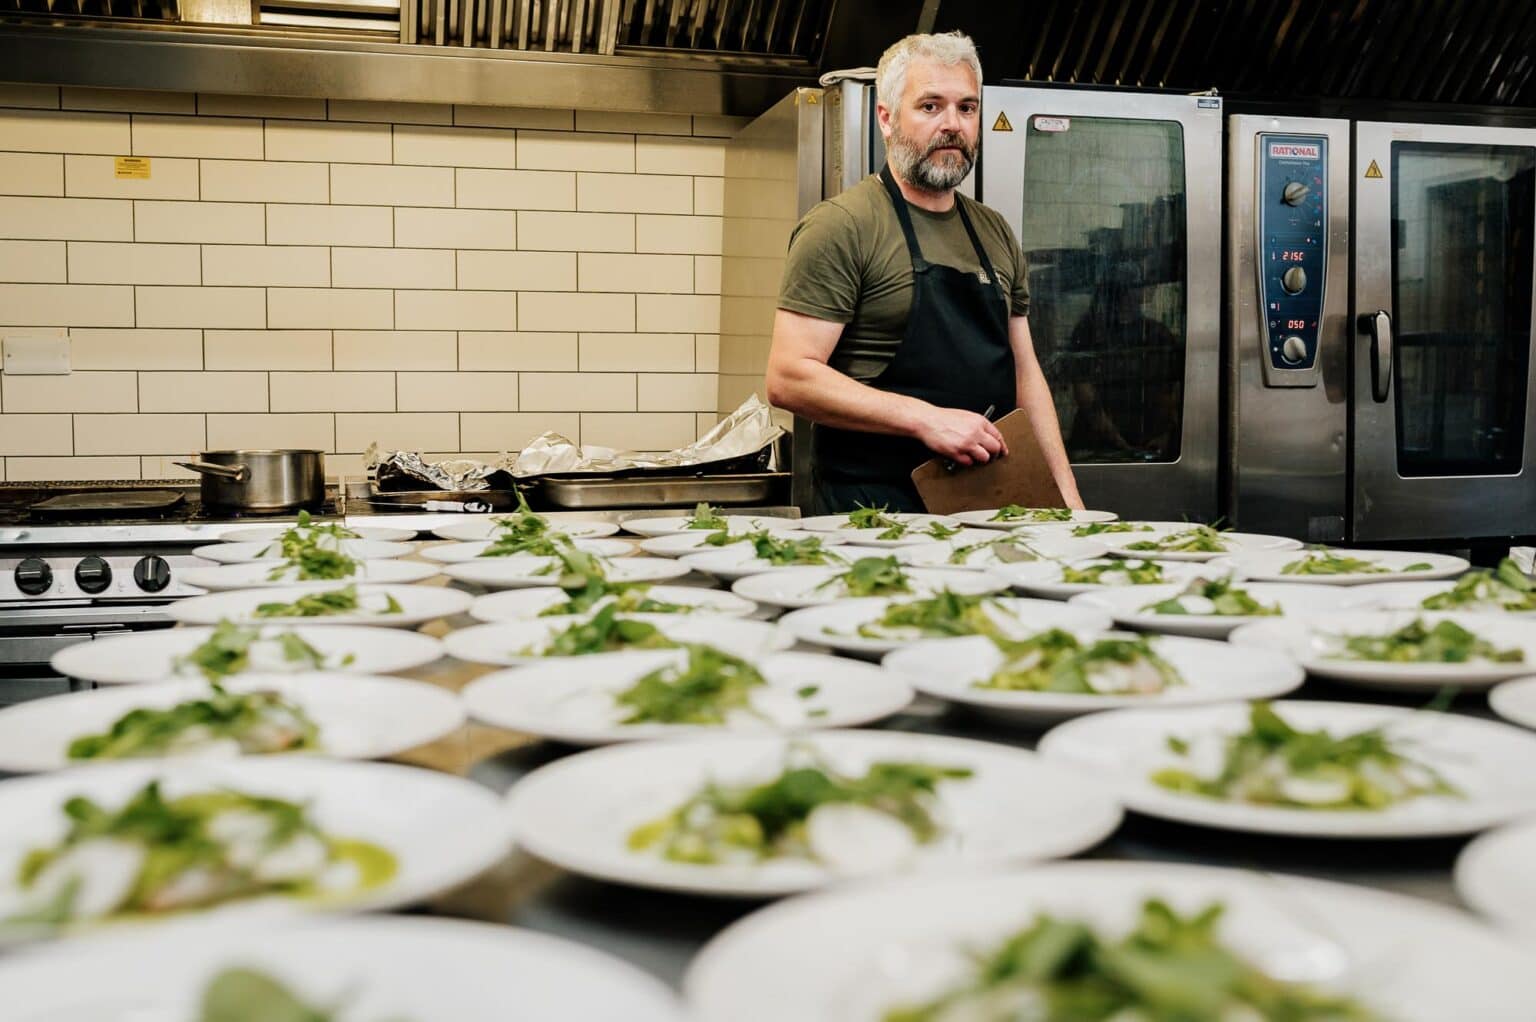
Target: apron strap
pixel 905 216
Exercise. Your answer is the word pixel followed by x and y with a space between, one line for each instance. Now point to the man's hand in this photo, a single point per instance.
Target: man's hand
pixel 961 436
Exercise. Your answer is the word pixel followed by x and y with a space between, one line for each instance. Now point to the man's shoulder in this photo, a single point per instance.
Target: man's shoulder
pixel 861 204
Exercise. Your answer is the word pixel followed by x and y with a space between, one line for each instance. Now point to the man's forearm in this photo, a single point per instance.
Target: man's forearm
pixel 822 394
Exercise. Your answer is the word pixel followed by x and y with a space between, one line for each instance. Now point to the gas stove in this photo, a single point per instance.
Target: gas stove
pixel 85 560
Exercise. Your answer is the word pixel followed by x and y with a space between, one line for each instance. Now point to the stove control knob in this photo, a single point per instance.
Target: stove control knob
pixel 1294 280
pixel 33 576
pixel 1293 349
pixel 1294 192
pixel 93 575
pixel 152 574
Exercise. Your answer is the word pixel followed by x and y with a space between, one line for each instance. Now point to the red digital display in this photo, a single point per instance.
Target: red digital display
pixel 1295 324
pixel 1289 256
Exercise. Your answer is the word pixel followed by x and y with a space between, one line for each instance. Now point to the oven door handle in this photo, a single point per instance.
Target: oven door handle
pixel 1379 325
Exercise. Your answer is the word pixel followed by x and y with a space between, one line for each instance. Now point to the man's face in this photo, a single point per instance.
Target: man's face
pixel 932 137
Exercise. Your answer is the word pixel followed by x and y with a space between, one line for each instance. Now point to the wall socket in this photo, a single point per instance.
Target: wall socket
pixel 38 352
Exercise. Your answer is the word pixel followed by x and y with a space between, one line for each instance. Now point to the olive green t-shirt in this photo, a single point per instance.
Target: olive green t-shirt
pixel 848 263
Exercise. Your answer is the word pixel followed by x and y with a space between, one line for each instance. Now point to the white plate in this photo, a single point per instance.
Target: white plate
pixel 857 953
pixel 797 587
pixel 359 716
pixel 270 533
pixel 152 656
pixel 1266 565
pixel 418 605
pixel 1515 701
pixel 469 528
pixel 837 525
pixel 1411 596
pixel 937 555
pixel 527 604
pixel 836 625
pixel 1493 875
pixel 442 830
pixel 1125 603
pixel 579 811
pixel 256 573
pixel 676 544
pixel 374 967
pixel 266 553
pixel 731 563
pixel 520 572
pixel 1213 672
pixel 1494 764
pixel 734 523
pixel 1119 544
pixel 460 553
pixel 1044 578
pixel 499 643
pixel 573 702
pixel 1310 641
pixel 983 519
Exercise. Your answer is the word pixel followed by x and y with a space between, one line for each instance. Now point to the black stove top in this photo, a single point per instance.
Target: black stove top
pixel 122 502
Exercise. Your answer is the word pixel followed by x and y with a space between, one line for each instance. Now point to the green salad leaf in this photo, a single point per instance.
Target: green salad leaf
pixel 778 552
pixel 1097 528
pixel 753 822
pixel 196 850
pixel 706 517
pixel 227 651
pixel 1057 661
pixel 1323 561
pixel 1276 764
pixel 704 690
pixel 1124 572
pixel 862 517
pixel 1019 513
pixel 1007 548
pixel 1505 589
pixel 1417 642
pixel 1169 968
pixel 322 604
pixel 944 614
pixel 603 632
pixel 1201 539
pixel 259 723
pixel 725 537
pixel 871 576
pixel 1226 600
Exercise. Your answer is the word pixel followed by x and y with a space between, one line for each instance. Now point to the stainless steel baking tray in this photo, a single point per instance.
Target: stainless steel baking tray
pixel 639 491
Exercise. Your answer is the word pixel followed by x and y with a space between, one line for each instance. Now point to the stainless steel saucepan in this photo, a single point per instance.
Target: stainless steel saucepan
pixel 260 480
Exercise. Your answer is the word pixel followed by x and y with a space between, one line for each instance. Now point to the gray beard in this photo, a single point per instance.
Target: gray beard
pixel 918 168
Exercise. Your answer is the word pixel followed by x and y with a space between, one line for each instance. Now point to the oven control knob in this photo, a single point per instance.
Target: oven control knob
pixel 152 574
pixel 1294 192
pixel 33 576
pixel 1293 349
pixel 1294 280
pixel 93 575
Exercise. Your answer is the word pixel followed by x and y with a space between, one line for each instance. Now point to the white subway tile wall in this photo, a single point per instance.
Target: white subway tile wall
pixel 294 272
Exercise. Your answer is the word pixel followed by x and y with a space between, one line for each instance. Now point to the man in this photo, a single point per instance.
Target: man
pixel 902 313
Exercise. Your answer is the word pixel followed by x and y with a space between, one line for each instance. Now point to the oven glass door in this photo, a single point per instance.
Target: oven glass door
pixel 1444 274
pixel 1115 199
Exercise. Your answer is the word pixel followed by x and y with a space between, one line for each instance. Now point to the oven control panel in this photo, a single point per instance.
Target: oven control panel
pixel 1293 254
pixel 88 576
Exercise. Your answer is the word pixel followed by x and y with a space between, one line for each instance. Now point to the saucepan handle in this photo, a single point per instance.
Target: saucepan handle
pixel 235 472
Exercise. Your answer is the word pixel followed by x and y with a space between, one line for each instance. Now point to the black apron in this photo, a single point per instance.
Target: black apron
pixel 955 354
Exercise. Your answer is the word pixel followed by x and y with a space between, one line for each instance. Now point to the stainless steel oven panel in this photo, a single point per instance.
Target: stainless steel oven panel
pixel 1286 450
pixel 1186 485
pixel 1388 504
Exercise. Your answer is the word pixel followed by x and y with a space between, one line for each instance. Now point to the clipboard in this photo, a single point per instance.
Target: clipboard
pixel 1020 478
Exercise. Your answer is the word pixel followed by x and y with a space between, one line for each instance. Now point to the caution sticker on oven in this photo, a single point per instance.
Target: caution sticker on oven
pixel 1053 123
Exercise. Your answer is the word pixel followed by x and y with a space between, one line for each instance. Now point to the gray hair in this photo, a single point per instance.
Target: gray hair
pixel 944 48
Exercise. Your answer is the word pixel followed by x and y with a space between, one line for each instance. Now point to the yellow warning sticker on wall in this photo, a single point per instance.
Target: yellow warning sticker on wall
pixel 1002 123
pixel 131 167
pixel 1373 170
